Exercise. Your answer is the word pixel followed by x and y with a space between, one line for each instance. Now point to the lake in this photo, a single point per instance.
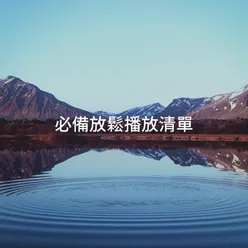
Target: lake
pixel 98 197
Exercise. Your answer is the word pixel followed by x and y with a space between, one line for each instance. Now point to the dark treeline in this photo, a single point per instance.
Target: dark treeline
pixel 24 127
pixel 238 126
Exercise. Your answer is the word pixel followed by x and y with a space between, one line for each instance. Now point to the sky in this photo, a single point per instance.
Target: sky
pixel 113 55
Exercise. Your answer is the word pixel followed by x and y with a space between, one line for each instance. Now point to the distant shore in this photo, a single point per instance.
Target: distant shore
pixel 175 137
pixel 132 137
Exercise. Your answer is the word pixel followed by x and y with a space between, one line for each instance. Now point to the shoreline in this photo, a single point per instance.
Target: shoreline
pixel 179 137
pixel 131 136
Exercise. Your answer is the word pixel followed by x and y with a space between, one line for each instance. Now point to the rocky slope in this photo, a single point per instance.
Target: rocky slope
pixel 225 106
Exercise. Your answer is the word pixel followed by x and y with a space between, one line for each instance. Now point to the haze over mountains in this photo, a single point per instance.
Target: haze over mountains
pixel 22 100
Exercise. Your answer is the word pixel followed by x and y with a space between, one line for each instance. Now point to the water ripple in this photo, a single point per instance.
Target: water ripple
pixel 133 211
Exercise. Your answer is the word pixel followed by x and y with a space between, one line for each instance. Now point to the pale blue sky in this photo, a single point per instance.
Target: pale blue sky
pixel 113 55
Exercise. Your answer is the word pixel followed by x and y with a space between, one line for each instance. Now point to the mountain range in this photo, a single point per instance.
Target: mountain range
pixel 23 100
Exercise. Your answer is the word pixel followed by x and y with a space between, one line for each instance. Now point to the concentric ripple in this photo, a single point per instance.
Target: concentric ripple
pixel 128 211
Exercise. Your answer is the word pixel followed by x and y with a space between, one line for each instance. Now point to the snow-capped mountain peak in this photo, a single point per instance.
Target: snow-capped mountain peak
pixel 183 105
pixel 104 113
pixel 6 80
pixel 148 110
pixel 225 106
pixel 239 92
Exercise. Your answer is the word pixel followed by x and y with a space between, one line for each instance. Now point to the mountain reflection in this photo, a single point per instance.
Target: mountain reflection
pixel 24 164
pixel 16 163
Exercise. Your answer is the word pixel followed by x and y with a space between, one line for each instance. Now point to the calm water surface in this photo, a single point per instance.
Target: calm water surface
pixel 130 198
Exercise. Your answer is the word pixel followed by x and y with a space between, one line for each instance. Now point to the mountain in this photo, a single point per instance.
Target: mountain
pixel 225 106
pixel 182 106
pixel 22 100
pixel 148 110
